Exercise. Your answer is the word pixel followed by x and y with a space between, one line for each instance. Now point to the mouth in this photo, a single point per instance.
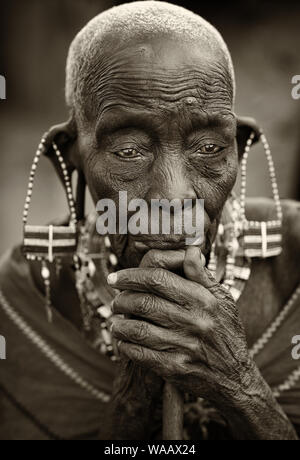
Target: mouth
pixel 131 249
pixel 171 241
pixel 143 245
pixel 134 246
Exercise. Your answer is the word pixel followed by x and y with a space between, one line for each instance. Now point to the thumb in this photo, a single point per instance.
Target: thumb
pixel 168 259
pixel 195 270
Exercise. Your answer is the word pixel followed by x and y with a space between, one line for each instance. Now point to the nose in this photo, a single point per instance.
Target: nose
pixel 170 180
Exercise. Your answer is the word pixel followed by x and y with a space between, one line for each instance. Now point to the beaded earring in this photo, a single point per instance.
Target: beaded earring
pixel 48 244
pixel 261 239
pixel 237 267
pixel 242 239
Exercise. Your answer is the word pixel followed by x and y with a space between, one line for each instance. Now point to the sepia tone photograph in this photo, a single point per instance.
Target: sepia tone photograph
pixel 150 223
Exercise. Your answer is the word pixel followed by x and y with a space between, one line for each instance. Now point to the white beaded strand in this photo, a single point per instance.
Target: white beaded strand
pixel 271 167
pixel 244 163
pixel 272 173
pixel 68 185
pixel 268 334
pixel 37 157
pixel 288 384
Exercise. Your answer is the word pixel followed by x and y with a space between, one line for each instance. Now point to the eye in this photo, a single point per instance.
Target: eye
pixel 127 153
pixel 210 149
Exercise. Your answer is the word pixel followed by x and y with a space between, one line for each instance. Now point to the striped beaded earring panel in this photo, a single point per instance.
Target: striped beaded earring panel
pixel 262 239
pixel 37 241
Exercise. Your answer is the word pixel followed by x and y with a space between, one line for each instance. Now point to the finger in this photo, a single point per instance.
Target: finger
pixel 150 307
pixel 160 282
pixel 162 312
pixel 195 270
pixel 165 364
pixel 168 259
pixel 140 355
pixel 193 265
pixel 170 366
pixel 150 336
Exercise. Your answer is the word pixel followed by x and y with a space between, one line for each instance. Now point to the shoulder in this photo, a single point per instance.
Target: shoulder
pixel 283 269
pixel 273 280
pixel 291 222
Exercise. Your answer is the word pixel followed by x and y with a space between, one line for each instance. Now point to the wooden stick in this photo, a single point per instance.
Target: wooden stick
pixel 172 413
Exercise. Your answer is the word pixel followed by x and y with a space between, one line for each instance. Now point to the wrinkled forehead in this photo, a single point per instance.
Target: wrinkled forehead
pixel 157 74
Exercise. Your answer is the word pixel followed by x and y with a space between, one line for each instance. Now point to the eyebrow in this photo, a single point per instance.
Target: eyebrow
pixel 116 120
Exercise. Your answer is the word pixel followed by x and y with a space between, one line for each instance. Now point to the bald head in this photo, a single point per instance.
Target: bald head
pixel 142 30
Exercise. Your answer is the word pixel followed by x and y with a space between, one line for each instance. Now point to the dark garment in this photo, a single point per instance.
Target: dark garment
pixel 37 399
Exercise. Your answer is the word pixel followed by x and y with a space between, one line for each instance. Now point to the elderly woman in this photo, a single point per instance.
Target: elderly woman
pixel 150 88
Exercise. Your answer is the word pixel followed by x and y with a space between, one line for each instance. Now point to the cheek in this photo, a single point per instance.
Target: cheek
pixel 215 180
pixel 106 175
pixel 105 179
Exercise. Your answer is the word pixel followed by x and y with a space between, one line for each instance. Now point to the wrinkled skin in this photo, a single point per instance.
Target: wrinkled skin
pixel 161 103
pixel 187 329
pixel 159 128
pixel 181 314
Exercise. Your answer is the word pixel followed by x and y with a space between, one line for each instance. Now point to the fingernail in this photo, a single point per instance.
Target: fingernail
pixel 141 246
pixel 112 278
pixel 202 257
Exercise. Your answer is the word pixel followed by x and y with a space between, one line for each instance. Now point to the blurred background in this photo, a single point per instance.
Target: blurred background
pixel 263 37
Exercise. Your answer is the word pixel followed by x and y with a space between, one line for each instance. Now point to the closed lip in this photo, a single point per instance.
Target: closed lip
pixel 144 246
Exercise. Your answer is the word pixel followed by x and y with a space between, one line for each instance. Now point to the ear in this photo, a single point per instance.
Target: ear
pixel 64 135
pixel 245 126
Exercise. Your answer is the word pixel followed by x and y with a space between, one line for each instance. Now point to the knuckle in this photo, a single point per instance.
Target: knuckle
pixel 158 277
pixel 140 332
pixel 208 325
pixel 213 303
pixel 145 306
pixel 193 346
pixel 117 302
pixel 183 360
pixel 190 263
pixel 176 367
pixel 151 259
pixel 204 321
pixel 138 353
